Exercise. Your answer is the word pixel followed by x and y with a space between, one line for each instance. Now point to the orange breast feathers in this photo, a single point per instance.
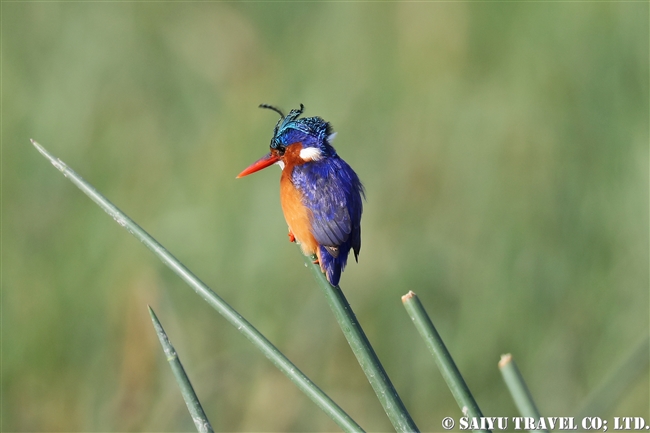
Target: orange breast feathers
pixel 296 213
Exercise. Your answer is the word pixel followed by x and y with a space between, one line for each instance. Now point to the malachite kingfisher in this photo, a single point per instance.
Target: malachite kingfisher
pixel 320 194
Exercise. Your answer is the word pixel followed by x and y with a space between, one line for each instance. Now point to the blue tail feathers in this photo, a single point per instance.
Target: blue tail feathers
pixel 333 266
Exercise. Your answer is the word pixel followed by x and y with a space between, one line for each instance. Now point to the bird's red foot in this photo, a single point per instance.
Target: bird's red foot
pixel 292 238
pixel 315 262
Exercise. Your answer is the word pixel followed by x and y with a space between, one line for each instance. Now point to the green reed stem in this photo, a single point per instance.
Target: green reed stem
pixel 441 355
pixel 278 359
pixel 370 364
pixel 187 390
pixel 518 389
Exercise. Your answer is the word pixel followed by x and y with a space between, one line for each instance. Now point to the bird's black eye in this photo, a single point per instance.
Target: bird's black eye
pixel 278 146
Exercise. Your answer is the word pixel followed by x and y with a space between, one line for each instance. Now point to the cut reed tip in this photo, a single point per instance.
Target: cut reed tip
pixel 408 296
pixel 505 360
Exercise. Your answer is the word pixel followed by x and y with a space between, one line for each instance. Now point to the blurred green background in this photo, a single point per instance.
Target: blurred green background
pixel 503 146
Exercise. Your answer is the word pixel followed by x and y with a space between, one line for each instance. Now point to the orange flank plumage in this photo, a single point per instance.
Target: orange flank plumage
pixel 297 215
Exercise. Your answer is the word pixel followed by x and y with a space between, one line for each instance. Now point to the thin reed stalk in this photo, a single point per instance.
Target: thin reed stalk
pixel 518 389
pixel 441 355
pixel 187 390
pixel 370 364
pixel 322 400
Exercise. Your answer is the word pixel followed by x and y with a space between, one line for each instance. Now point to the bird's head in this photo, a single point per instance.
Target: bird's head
pixel 295 141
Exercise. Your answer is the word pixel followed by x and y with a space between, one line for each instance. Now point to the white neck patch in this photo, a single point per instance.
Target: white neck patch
pixel 281 164
pixel 311 154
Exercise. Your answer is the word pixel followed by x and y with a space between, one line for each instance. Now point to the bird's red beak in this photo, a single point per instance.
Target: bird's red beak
pixel 263 162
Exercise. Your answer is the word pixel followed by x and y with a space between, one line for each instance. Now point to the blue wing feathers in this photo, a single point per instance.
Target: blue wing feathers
pixel 333 193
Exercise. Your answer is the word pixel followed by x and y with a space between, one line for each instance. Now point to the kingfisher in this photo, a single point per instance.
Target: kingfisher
pixel 320 194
